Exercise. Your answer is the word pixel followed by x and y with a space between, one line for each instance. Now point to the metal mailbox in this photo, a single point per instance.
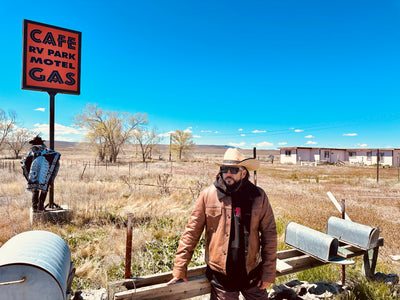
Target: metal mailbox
pixel 35 265
pixel 313 242
pixel 356 234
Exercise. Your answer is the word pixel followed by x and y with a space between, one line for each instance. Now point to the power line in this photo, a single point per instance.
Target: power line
pixel 318 127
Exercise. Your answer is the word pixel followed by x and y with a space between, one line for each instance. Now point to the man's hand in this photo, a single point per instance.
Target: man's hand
pixel 175 280
pixel 262 285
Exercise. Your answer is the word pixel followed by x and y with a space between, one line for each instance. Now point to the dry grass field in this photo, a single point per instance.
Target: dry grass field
pixel 161 195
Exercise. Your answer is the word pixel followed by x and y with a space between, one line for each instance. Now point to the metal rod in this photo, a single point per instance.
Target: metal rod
pixel 170 149
pixel 51 119
pixel 128 254
pixel 51 138
pixel 255 172
pixel 13 282
pixel 170 146
pixel 377 166
pixel 343 277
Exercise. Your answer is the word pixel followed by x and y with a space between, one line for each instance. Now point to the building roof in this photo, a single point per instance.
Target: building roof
pixel 343 149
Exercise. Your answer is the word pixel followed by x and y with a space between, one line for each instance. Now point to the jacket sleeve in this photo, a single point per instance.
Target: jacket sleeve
pixel 268 242
pixel 190 238
pixel 26 165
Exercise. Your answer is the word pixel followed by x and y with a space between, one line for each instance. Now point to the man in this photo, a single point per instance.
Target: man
pixel 40 168
pixel 240 233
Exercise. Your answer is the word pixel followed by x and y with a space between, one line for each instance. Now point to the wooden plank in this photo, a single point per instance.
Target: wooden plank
pixel 132 283
pixel 288 253
pixel 281 266
pixel 337 205
pixel 345 253
pixel 196 286
pixel 200 285
pixel 155 287
pixel 347 250
pixel 300 263
pixel 167 276
pixel 295 261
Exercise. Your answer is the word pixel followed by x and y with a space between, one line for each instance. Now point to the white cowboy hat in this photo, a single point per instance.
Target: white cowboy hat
pixel 233 157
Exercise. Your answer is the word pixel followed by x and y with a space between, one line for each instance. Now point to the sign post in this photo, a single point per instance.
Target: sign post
pixel 51 137
pixel 51 63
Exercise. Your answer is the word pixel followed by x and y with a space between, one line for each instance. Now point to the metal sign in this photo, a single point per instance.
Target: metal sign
pixel 51 58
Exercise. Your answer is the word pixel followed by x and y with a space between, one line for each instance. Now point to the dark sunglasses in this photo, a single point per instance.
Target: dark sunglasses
pixel 233 170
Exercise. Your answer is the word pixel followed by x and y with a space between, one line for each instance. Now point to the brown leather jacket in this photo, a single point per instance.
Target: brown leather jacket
pixel 213 210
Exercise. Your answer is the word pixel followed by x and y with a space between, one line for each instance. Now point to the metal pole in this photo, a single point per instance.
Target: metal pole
pixel 343 277
pixel 255 172
pixel 170 154
pixel 128 254
pixel 170 146
pixel 377 166
pixel 51 137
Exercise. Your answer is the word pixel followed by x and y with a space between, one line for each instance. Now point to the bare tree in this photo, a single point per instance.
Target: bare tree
pixel 146 141
pixel 18 139
pixel 108 130
pixel 6 125
pixel 181 141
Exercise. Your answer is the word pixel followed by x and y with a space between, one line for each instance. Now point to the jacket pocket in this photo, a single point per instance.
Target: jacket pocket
pixel 213 216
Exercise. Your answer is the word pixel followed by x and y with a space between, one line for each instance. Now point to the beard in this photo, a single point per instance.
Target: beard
pixel 233 187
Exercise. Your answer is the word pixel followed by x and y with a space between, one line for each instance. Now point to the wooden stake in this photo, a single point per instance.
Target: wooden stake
pixel 128 254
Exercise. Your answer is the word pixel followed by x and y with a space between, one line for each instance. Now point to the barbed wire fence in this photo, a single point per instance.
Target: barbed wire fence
pixel 123 171
pixel 10 165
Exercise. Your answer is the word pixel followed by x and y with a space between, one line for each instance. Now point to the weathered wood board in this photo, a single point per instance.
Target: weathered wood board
pixel 288 262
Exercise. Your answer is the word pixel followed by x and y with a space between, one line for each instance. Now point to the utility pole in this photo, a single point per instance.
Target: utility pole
pixel 255 172
pixel 170 146
pixel 377 165
pixel 170 155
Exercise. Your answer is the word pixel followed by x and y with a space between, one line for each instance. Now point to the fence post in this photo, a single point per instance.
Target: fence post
pixel 369 262
pixel 128 254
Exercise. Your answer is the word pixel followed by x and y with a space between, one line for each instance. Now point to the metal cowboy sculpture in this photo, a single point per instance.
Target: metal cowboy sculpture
pixel 40 168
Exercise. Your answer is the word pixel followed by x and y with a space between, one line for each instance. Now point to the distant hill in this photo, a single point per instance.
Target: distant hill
pixel 220 149
pixel 63 144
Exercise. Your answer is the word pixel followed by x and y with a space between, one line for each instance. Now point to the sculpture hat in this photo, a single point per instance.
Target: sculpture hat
pixel 37 141
pixel 233 157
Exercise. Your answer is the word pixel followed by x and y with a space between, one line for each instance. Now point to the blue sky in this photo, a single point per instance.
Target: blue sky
pixel 263 74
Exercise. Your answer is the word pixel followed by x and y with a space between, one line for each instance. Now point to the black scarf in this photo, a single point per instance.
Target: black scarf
pixel 246 190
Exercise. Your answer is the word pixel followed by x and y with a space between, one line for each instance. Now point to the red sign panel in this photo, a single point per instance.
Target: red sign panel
pixel 51 58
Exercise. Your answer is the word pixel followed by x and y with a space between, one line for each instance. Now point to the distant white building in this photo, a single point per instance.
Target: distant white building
pixel 300 155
